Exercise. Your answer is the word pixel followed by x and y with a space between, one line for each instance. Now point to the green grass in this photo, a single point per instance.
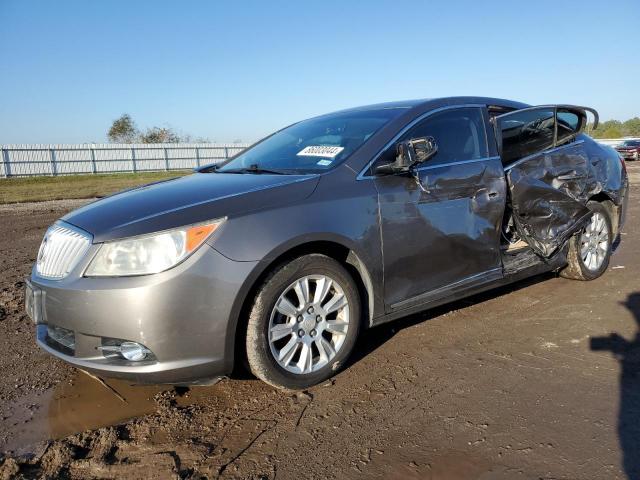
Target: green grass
pixel 38 189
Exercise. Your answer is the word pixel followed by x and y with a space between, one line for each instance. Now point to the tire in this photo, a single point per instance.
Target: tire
pixel 304 327
pixel 579 268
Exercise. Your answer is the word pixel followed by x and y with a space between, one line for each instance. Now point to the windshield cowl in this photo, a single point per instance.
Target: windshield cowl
pixel 253 169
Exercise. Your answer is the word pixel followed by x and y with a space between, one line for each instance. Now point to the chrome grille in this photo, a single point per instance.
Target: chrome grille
pixel 60 251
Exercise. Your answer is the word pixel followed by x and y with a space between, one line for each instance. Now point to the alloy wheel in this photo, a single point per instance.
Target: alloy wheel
pixel 594 242
pixel 308 324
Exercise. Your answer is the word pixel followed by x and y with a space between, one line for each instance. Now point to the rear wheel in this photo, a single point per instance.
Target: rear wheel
pixel 304 323
pixel 590 249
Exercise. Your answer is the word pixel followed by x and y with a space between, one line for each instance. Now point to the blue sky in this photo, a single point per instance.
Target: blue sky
pixel 230 70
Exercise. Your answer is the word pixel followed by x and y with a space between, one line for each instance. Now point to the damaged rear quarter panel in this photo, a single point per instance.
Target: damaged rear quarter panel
pixel 549 191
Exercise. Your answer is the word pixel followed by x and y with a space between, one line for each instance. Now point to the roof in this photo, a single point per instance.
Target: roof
pixel 425 103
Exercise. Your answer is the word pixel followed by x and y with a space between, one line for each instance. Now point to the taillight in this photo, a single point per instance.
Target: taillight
pixel 624 165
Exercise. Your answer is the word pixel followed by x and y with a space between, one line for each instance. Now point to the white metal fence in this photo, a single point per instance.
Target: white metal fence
pixel 23 160
pixel 28 160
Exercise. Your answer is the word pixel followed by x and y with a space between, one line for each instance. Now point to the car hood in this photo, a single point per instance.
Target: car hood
pixel 182 201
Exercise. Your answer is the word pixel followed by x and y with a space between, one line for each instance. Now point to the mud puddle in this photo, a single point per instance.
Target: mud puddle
pixel 84 403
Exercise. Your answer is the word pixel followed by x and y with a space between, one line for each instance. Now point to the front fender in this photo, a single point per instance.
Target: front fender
pixel 342 213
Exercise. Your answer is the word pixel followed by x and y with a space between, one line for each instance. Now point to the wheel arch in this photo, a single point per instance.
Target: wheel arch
pixel 339 250
pixel 608 202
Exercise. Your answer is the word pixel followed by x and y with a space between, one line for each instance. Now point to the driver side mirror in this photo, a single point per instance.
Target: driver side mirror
pixel 409 154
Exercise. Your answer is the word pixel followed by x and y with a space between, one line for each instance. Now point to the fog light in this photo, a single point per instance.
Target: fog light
pixel 133 351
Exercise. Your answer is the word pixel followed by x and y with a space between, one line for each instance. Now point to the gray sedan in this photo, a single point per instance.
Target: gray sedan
pixel 282 255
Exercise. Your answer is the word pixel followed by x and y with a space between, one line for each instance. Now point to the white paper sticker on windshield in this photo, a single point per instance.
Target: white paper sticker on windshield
pixel 324 163
pixel 320 151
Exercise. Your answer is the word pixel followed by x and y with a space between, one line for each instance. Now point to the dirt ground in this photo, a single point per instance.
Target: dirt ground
pixel 539 380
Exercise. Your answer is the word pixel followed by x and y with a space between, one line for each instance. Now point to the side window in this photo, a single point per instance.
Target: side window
pixel 569 123
pixel 459 133
pixel 526 132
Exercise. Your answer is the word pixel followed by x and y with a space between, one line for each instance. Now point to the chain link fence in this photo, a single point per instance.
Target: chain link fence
pixel 30 160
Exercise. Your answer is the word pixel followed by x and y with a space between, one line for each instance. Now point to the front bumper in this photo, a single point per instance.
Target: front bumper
pixel 629 155
pixel 182 316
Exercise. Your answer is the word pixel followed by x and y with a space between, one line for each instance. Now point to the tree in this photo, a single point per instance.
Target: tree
pixel 610 132
pixel 123 130
pixel 608 129
pixel 159 135
pixel 631 127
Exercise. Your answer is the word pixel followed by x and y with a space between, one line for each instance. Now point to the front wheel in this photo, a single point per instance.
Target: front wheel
pixel 304 322
pixel 590 249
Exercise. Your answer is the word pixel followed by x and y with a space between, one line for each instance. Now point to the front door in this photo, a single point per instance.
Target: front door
pixel 441 228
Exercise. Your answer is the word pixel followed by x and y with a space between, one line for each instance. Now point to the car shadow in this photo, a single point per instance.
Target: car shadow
pixel 372 338
pixel 627 352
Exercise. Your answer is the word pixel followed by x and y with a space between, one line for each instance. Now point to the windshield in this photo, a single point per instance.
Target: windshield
pixel 631 143
pixel 313 145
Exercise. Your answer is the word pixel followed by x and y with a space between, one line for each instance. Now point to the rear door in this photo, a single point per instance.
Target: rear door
pixel 548 173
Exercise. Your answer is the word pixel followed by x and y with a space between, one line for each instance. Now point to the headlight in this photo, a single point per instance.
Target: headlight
pixel 149 253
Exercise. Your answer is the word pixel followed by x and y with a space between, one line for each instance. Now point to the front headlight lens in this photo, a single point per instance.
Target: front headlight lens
pixel 149 253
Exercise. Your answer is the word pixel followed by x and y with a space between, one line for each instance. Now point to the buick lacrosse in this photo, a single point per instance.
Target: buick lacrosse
pixel 279 257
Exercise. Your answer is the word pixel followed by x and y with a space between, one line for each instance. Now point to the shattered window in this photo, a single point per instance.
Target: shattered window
pixel 568 124
pixel 526 132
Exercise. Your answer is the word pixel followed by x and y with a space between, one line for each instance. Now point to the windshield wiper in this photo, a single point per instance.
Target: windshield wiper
pixel 209 169
pixel 252 169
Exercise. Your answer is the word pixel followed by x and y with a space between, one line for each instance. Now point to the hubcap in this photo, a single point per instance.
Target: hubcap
pixel 308 324
pixel 594 242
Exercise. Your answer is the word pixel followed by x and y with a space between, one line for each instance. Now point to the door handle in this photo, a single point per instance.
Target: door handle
pixel 420 181
pixel 485 195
